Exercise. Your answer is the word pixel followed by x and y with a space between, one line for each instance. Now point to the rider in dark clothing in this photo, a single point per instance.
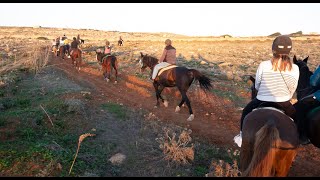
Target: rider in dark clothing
pixel 74 44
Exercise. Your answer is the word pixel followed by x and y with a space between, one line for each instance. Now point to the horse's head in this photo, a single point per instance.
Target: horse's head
pixel 304 87
pixel 254 91
pixel 147 61
pixel 99 55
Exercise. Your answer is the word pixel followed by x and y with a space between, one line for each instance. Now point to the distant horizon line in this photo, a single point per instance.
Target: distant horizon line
pixel 37 26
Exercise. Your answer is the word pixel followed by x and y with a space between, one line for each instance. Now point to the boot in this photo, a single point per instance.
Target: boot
pixel 304 140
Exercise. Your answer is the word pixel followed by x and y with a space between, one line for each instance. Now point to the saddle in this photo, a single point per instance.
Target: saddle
pixel 105 57
pixel 166 68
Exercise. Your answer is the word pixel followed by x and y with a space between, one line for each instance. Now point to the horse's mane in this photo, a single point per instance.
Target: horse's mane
pixel 150 60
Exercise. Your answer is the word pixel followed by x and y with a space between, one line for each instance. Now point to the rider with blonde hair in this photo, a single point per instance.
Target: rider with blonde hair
pixel 167 58
pixel 276 81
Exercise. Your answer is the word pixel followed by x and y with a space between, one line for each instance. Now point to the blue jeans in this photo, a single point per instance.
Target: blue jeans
pixel 315 78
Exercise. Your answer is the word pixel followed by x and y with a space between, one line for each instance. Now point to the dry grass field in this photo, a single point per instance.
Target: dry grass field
pixel 46 105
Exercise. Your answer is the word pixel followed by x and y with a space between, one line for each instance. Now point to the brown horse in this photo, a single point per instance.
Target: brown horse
pixel 270 142
pixel 107 63
pixel 180 77
pixel 76 58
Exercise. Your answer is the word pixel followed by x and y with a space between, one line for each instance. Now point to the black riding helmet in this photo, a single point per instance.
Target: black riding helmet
pixel 281 45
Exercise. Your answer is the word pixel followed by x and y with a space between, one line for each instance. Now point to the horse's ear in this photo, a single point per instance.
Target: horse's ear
pixel 295 59
pixel 141 54
pixel 306 59
pixel 252 79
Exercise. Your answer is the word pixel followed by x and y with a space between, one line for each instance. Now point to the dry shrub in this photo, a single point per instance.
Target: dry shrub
pixel 180 151
pixel 35 57
pixel 224 169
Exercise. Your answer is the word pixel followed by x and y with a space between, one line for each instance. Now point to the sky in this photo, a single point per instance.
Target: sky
pixel 192 19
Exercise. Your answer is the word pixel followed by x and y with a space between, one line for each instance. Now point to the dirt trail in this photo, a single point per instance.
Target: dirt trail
pixel 214 120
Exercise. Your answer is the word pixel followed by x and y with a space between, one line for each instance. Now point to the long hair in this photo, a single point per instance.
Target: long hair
pixel 281 62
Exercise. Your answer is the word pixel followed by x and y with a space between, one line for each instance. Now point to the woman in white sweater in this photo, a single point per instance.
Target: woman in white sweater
pixel 276 81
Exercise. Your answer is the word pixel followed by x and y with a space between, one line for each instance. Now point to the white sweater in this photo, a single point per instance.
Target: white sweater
pixel 273 87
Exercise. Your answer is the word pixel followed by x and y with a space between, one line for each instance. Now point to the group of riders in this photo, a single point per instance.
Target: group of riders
pixel 279 66
pixel 68 46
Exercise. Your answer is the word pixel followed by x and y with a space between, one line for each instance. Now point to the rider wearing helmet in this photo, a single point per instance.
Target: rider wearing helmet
pixel 167 58
pixel 276 81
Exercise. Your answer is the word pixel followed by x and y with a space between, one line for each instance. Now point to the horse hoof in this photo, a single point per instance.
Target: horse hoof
pixel 115 82
pixel 165 103
pixel 191 117
pixel 155 106
pixel 177 109
pixel 108 80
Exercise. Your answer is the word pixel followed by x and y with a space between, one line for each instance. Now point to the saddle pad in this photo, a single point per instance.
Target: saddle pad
pixel 166 68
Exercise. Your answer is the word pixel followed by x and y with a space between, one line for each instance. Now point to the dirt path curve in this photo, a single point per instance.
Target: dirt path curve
pixel 215 120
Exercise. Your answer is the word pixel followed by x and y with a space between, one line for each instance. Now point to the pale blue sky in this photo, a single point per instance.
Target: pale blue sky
pixel 194 19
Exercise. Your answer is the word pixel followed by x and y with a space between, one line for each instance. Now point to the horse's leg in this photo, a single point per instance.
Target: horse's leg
pixel 108 71
pixel 104 71
pixel 80 61
pixel 115 72
pixel 156 87
pixel 179 106
pixel 186 99
pixel 160 89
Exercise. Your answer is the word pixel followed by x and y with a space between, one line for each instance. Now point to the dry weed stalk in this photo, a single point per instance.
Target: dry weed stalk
pixel 224 169
pixel 47 115
pixel 81 138
pixel 178 150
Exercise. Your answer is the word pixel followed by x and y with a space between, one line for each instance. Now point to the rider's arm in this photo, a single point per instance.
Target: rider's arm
pixel 163 56
pixel 258 77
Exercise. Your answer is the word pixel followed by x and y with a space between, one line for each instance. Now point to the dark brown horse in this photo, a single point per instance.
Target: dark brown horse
pixel 270 142
pixel 76 58
pixel 63 51
pixel 312 122
pixel 120 42
pixel 107 63
pixel 180 77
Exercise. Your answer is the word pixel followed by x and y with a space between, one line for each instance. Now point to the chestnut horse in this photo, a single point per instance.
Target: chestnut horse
pixel 270 141
pixel 55 50
pixel 180 77
pixel 304 89
pixel 107 62
pixel 76 58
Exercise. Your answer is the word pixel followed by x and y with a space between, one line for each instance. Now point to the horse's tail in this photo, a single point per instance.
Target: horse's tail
pixel 266 141
pixel 205 82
